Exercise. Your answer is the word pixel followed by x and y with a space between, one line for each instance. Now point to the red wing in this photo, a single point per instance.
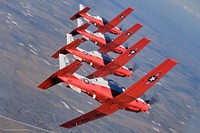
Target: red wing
pixel 111 24
pixel 120 39
pixel 121 60
pixel 141 86
pixel 97 113
pixel 90 116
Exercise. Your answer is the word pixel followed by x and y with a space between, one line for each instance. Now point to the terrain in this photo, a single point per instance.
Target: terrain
pixel 31 31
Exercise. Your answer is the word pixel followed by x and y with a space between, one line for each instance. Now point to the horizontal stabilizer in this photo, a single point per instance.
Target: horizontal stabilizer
pixel 81 28
pixel 64 49
pixel 53 79
pixel 80 13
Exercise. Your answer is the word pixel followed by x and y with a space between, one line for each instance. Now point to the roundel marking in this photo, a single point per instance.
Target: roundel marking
pixel 86 81
pixel 152 78
pixel 133 51
pixel 122 16
pixel 128 34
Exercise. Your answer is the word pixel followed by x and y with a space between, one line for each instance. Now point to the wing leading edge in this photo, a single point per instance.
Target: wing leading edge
pixel 115 21
pixel 121 101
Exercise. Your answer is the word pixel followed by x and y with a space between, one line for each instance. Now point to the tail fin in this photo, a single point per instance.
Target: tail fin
pixel 80 13
pixel 81 7
pixel 81 28
pixel 64 50
pixel 79 22
pixel 65 72
pixel 63 61
pixel 69 38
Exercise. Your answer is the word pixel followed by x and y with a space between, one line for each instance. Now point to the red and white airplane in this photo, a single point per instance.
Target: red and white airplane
pixel 104 64
pixel 107 92
pixel 105 43
pixel 101 23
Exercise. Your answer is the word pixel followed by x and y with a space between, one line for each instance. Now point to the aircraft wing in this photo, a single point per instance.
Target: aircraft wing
pixel 121 60
pixel 120 39
pixel 111 24
pixel 97 113
pixel 141 86
pixel 121 101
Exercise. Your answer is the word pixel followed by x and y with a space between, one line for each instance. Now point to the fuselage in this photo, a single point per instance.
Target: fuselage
pixel 98 60
pixel 100 40
pixel 103 91
pixel 100 22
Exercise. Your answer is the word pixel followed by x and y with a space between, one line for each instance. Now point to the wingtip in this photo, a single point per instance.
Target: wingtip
pixel 173 60
pixel 139 25
pixel 130 8
pixel 147 39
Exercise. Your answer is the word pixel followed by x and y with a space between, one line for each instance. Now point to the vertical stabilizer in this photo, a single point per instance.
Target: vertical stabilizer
pixel 63 61
pixel 81 7
pixel 69 38
pixel 79 22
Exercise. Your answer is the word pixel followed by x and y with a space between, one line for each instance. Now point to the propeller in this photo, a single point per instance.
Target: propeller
pixel 154 99
pixel 121 27
pixel 133 67
pixel 126 45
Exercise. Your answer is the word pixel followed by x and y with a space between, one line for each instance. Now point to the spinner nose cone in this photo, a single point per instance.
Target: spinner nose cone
pixel 130 72
pixel 146 108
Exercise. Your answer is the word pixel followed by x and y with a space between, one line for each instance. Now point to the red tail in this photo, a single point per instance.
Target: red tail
pixel 79 14
pixel 81 28
pixel 66 71
pixel 72 45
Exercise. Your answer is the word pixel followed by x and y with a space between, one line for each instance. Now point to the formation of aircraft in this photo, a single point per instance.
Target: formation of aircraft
pixel 104 64
pixel 109 93
pixel 103 24
pixel 105 43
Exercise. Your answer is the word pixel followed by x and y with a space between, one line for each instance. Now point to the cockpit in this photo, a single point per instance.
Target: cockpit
pixel 108 39
pixel 105 21
pixel 106 58
pixel 115 86
pixel 97 17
